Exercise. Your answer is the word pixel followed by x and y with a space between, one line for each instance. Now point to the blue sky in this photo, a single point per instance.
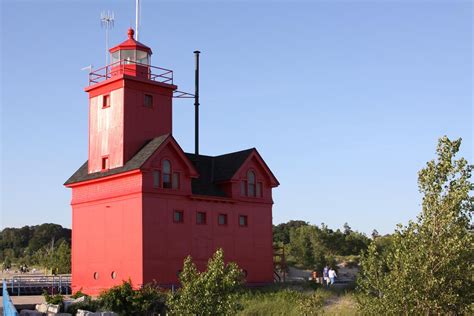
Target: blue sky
pixel 345 100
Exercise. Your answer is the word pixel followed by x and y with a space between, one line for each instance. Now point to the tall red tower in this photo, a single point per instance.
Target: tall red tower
pixel 140 204
pixel 133 105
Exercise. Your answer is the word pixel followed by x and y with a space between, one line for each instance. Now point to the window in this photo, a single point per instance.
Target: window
pixel 201 218
pixel 243 188
pixel 243 220
pixel 96 275
pixel 178 217
pixel 259 189
pixel 106 101
pixel 113 275
pixel 222 219
pixel 175 180
pixel 166 169
pixel 148 101
pixel 105 163
pixel 156 178
pixel 251 183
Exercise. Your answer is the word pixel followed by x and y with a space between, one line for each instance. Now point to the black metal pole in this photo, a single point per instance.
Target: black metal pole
pixel 196 103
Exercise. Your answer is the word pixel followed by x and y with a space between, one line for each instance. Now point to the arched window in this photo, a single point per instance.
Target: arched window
pixel 166 169
pixel 251 183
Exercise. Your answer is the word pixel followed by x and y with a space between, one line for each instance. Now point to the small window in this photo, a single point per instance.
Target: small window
pixel 243 220
pixel 222 219
pixel 175 180
pixel 148 101
pixel 178 217
pixel 166 169
pixel 251 183
pixel 106 101
pixel 113 275
pixel 259 189
pixel 96 275
pixel 156 178
pixel 243 187
pixel 105 163
pixel 201 218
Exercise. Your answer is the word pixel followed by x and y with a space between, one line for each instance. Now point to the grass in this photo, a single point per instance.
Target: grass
pixel 297 299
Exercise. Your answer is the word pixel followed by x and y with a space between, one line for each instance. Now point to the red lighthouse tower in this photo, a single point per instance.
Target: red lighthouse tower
pixel 141 204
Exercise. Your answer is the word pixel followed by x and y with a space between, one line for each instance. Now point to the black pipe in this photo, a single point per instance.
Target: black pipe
pixel 196 103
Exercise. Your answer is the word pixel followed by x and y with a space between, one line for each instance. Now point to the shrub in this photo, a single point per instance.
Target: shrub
pixel 212 292
pixel 124 300
pixel 79 294
pixel 56 299
pixel 88 305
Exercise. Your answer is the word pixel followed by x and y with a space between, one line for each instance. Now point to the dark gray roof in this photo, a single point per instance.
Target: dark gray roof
pixel 212 170
pixel 135 163
pixel 215 169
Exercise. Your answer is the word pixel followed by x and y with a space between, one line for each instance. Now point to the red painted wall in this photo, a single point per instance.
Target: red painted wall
pixel 107 233
pixel 120 130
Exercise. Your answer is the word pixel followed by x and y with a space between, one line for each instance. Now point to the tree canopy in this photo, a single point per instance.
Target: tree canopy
pixel 427 268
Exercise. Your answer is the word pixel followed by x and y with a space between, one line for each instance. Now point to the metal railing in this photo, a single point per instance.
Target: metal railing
pixel 134 68
pixel 38 284
pixel 8 307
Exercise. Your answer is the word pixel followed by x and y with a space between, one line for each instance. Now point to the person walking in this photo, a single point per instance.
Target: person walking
pixel 326 275
pixel 332 275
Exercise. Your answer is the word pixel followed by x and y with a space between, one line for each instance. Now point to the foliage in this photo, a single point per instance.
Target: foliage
pixel 124 300
pixel 57 259
pixel 212 292
pixel 427 269
pixel 26 245
pixel 79 294
pixel 312 304
pixel 281 232
pixel 56 299
pixel 88 305
pixel 312 246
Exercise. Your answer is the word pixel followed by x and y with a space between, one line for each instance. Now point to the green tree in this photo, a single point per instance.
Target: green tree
pixel 427 269
pixel 281 232
pixel 212 292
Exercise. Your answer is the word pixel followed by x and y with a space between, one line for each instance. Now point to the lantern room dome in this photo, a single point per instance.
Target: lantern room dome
pixel 131 50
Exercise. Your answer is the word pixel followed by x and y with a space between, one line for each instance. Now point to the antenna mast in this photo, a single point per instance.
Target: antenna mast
pixel 107 21
pixel 137 18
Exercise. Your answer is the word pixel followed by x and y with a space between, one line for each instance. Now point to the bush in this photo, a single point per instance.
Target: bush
pixel 56 299
pixel 124 300
pixel 79 294
pixel 88 305
pixel 212 292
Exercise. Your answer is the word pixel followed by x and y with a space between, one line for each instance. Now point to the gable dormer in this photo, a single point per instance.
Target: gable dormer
pixel 168 170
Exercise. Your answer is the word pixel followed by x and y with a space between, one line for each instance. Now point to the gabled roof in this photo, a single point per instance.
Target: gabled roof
pixel 216 169
pixel 135 163
pixel 212 170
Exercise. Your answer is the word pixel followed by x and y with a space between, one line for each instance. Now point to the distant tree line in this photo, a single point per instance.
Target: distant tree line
pixel 45 245
pixel 312 246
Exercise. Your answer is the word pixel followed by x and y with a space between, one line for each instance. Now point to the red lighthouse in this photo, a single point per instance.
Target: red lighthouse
pixel 140 204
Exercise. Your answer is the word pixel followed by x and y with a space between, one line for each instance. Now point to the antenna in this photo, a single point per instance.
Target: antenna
pixel 137 18
pixel 107 21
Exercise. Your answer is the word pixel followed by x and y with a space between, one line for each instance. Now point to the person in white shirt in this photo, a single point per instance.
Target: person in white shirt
pixel 332 275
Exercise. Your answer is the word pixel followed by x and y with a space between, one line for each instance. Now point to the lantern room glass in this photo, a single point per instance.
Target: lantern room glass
pixel 131 56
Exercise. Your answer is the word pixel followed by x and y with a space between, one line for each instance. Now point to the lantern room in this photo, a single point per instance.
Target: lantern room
pixel 131 58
